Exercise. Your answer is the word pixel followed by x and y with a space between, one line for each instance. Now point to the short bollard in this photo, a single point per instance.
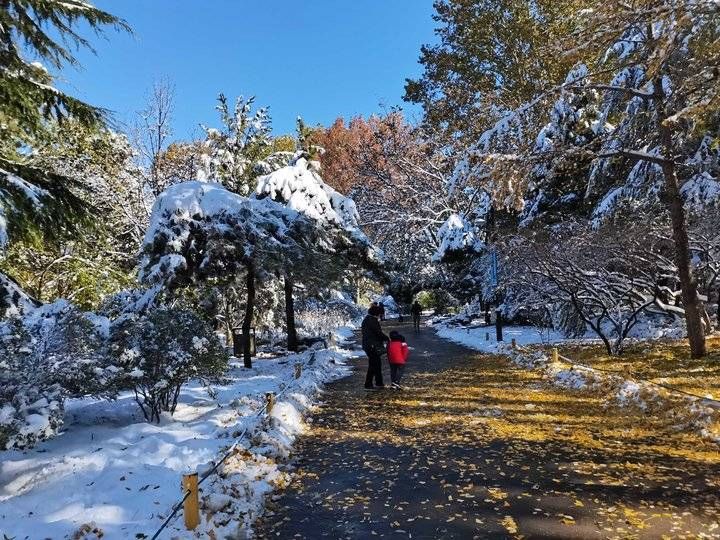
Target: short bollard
pixel 555 355
pixel 298 370
pixel 191 506
pixel 487 336
pixel 270 398
pixel 513 344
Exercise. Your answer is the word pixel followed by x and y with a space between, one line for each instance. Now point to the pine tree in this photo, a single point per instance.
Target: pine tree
pixel 234 152
pixel 673 48
pixel 34 200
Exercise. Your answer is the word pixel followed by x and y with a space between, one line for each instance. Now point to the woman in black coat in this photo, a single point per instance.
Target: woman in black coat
pixel 373 343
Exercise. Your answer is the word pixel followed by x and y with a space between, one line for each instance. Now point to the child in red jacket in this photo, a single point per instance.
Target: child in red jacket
pixel 398 353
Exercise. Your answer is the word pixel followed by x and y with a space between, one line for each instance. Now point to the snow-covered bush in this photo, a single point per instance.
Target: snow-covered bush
pixel 160 351
pixel 55 352
pixel 317 317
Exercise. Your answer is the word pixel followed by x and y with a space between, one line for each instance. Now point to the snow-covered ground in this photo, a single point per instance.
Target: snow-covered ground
pixel 482 338
pixel 113 471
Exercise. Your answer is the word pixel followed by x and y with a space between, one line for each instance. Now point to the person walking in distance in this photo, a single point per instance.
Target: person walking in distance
pixel 416 310
pixel 373 343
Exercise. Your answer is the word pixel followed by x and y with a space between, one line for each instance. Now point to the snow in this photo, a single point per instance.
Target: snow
pixel 475 337
pixel 301 188
pixel 183 208
pixel 14 302
pixel 455 235
pixel 686 412
pixel 701 190
pixel 190 199
pixel 10 185
pixel 607 206
pixel 392 310
pixel 121 474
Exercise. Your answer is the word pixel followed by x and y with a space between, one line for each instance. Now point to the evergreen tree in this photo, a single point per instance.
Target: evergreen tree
pixel 33 199
pixel 233 153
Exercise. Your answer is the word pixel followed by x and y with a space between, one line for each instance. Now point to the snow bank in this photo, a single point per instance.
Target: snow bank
pixel 120 474
pixel 476 337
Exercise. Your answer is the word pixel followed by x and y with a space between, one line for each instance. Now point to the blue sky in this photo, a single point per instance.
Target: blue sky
pixel 316 58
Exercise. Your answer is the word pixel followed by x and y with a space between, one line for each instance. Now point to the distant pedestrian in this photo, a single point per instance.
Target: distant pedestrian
pixel 398 352
pixel 416 310
pixel 373 341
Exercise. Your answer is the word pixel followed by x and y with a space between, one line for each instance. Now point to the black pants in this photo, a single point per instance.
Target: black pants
pixel 374 369
pixel 396 372
pixel 416 322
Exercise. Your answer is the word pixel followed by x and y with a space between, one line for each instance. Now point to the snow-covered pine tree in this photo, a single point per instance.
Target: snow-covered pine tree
pixel 201 232
pixel 98 260
pixel 232 154
pixel 645 95
pixel 663 91
pixel 33 199
pixel 328 242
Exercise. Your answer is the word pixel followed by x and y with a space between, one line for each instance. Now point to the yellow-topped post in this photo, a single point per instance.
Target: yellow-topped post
pixel 191 506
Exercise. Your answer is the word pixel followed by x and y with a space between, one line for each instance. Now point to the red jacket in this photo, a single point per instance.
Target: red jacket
pixel 398 352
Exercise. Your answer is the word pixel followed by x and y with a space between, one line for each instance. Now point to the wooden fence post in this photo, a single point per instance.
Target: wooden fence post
pixel 298 370
pixel 191 506
pixel 270 398
pixel 487 336
pixel 513 344
pixel 555 355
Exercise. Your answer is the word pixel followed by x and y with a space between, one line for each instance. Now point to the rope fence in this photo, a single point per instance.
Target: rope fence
pixel 190 494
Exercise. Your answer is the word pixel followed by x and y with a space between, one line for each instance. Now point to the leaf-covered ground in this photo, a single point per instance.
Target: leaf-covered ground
pixel 479 448
pixel 667 362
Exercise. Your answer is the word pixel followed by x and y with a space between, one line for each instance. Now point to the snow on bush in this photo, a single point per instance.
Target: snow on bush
pixel 55 352
pixel 315 317
pixel 161 351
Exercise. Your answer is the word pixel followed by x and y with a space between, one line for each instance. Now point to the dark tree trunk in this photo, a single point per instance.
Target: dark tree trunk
pixel 249 312
pixel 688 285
pixel 498 325
pixel 292 343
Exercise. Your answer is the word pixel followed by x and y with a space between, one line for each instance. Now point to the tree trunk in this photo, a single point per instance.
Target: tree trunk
pixel 292 344
pixel 249 311
pixel 498 325
pixel 688 285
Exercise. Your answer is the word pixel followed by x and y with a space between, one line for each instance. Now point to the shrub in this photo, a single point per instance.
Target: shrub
pixel 54 352
pixel 160 351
